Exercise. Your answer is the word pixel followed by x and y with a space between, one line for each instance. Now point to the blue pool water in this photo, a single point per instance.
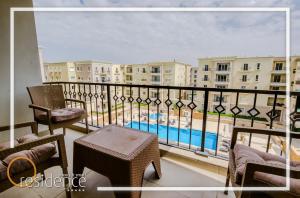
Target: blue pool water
pixel 184 137
pixel 153 116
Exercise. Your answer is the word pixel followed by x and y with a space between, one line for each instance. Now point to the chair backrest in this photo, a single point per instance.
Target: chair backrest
pixel 50 96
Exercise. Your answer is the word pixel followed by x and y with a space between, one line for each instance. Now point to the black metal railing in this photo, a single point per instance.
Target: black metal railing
pixel 184 117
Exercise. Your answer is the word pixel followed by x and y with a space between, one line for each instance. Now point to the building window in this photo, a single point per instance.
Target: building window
pixel 278 66
pixel 277 78
pixel 218 98
pixel 204 85
pixel 258 66
pixel 144 70
pixel 243 87
pixel 195 80
pixel 244 78
pixel 195 76
pixel 245 67
pixel 195 71
pixel 256 78
pixel 275 88
pixel 205 78
pixel 205 67
pixel 255 87
pixel 155 69
pixel 223 67
pixel 156 78
pixel 222 78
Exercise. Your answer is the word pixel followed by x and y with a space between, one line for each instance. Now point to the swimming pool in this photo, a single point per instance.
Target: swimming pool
pixel 153 116
pixel 184 137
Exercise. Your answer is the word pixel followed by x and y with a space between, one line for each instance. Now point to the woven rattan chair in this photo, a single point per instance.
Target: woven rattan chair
pixel 49 107
pixel 34 148
pixel 249 167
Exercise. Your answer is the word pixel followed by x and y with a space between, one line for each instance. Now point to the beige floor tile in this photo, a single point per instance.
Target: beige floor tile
pixel 173 174
pixel 16 192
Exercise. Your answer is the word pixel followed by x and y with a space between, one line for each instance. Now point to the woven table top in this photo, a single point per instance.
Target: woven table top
pixel 117 141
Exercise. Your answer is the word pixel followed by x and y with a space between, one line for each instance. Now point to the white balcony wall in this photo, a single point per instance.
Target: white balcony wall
pixel 27 66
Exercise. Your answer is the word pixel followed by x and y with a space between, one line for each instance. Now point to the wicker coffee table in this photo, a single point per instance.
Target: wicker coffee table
pixel 121 154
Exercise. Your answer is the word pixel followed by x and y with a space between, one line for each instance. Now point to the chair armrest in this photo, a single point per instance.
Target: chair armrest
pixel 37 107
pixel 28 145
pixel 33 126
pixel 45 109
pixel 276 132
pixel 79 101
pixel 274 169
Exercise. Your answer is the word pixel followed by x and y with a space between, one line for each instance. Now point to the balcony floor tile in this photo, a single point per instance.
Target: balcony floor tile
pixel 173 174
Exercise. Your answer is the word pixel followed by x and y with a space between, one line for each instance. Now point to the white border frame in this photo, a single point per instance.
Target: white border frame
pixel 286 10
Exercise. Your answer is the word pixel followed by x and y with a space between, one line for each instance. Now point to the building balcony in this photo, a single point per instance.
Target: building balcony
pixel 199 161
pixel 222 71
pixel 272 83
pixel 190 170
pixel 222 81
pixel 155 72
pixel 282 71
pixel 194 144
pixel 156 82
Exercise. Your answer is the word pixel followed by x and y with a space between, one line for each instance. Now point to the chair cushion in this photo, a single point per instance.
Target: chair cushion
pixel 61 115
pixel 37 154
pixel 244 154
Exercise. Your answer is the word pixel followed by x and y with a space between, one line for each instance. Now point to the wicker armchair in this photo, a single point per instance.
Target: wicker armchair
pixel 49 107
pixel 249 167
pixel 36 149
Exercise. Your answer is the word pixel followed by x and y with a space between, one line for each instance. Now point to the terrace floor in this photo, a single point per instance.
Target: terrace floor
pixel 175 172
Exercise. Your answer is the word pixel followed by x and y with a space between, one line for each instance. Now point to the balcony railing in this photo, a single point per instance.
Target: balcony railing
pixel 222 80
pixel 178 121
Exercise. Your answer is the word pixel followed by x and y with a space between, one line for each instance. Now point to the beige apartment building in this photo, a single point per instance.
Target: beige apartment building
pixel 83 71
pixel 61 71
pixel 170 73
pixel 261 73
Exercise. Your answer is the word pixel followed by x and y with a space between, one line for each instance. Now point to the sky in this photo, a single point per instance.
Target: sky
pixel 132 37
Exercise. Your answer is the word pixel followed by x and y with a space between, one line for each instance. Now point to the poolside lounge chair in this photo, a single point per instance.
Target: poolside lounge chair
pixel 224 149
pixel 225 140
pixel 249 167
pixel 172 122
pixel 295 118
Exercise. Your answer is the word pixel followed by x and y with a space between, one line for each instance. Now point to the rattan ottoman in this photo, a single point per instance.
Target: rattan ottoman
pixel 121 154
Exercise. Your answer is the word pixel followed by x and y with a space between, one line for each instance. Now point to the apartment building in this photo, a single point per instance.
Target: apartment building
pixel 61 71
pixel 262 73
pixel 94 71
pixel 170 73
pixel 83 71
